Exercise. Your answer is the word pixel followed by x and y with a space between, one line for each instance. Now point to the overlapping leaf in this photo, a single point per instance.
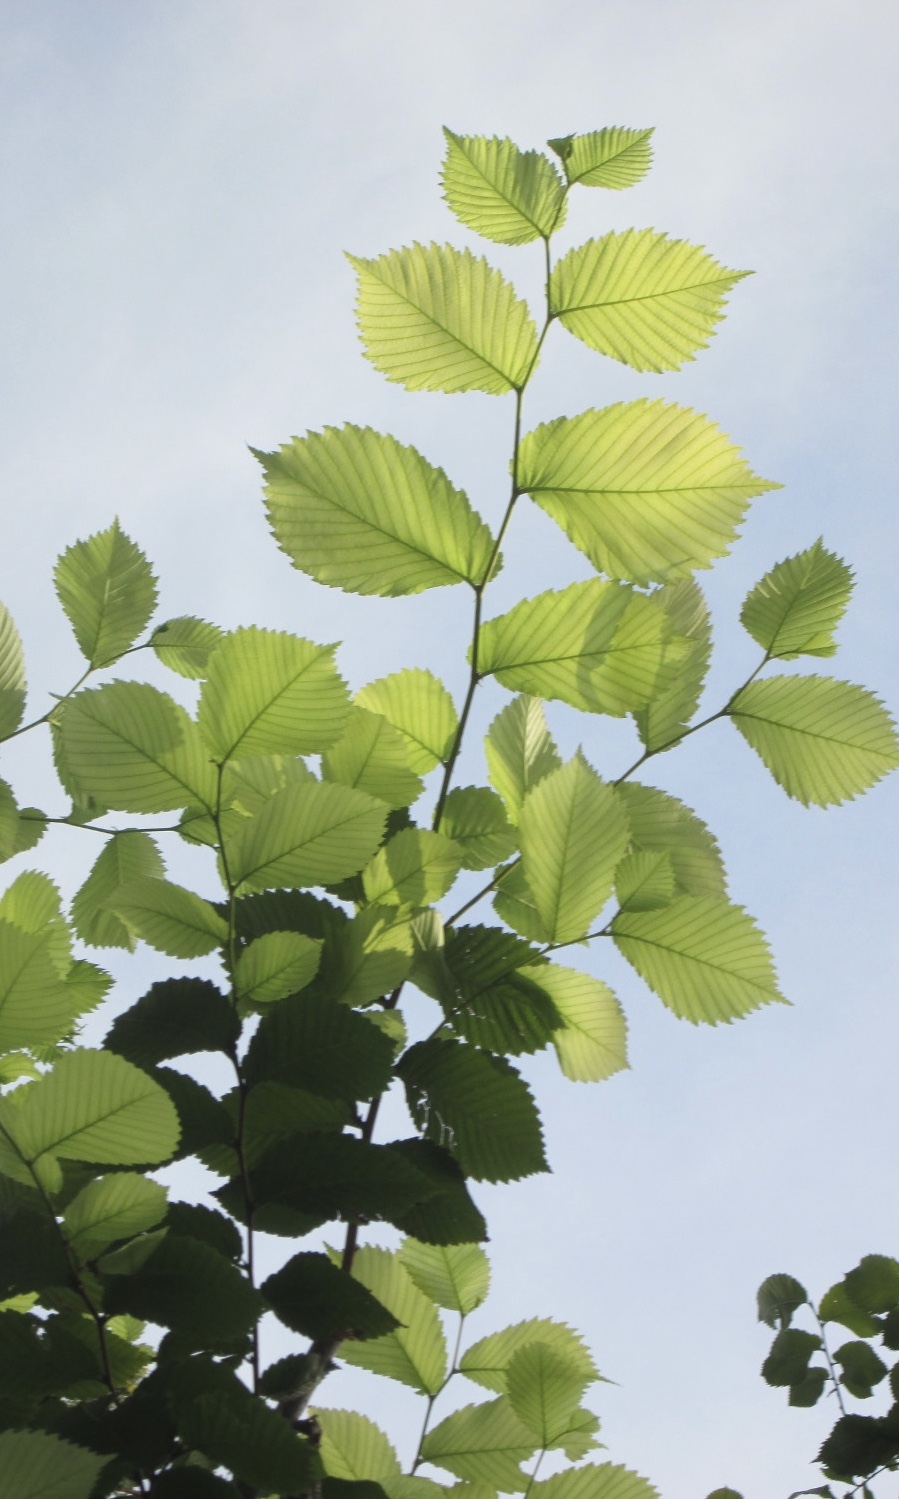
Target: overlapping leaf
pixel 475 818
pixel 507 195
pixel 795 608
pixel 595 1481
pixel 415 1353
pixel 12 675
pixel 107 589
pixel 125 857
pixel 415 867
pixel 275 965
pixel 307 834
pixel 311 1042
pixel 520 751
pixel 270 693
pixel 417 704
pixel 485 994
pixel 646 300
pixel 435 318
pixel 660 823
pixel 354 1448
pixel 596 645
pixel 368 957
pixel 38 1465
pixel 359 511
pixel 217 1415
pixel 175 1017
pixel 645 881
pixel 113 1207
pixel 483 1444
pixel 544 1389
pixel 455 1276
pixel 592 1043
pixel 135 749
pixel 38 1002
pixel 311 1295
pixel 705 958
pixel 679 685
pixel 185 644
pixel 487 1361
pixel 614 157
pixel 372 756
pixel 169 917
pixel 823 741
pixel 647 490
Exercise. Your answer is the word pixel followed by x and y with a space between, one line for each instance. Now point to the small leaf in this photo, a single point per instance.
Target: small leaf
pixel 836 1305
pixel 371 755
pixel 417 704
pixel 185 645
pixel 779 1296
pixel 823 741
pixel 415 867
pixel 647 490
pixel 127 856
pixel 862 1369
pixel 482 1443
pixel 275 965
pixel 359 511
pixel 435 318
pixel 597 1481
pixel 12 675
pixel 38 1004
pixel 507 195
pixel 170 918
pixel 415 1352
pixel 112 1208
pixel 520 751
pixel 795 608
pixel 515 904
pixel 487 1361
pixel 368 958
pixel 645 882
pixel 314 1297
pixel 874 1283
pixel 455 1276
pixel 614 157
pixel 107 589
pixel 475 818
pixel 592 1043
pixel 307 834
pixel 788 1360
pixel 135 749
pixel 270 693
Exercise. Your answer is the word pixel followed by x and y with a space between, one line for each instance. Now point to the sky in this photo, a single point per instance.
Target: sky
pixel 180 180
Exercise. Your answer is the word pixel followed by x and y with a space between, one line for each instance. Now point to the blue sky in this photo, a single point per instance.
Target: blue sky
pixel 180 180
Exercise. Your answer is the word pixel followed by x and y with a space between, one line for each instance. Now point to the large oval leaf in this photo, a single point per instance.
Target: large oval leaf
pixel 307 834
pixel 135 749
pixel 94 1106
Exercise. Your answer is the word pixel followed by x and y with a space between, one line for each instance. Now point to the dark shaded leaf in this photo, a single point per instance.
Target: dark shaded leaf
pixel 808 1390
pixel 212 1228
pixel 862 1369
pixel 176 1017
pixel 312 1296
pixel 778 1298
pixel 31 1255
pixel 874 1283
pixel 311 1042
pixel 449 1216
pixel 859 1444
pixel 204 1119
pixel 788 1360
pixel 189 1287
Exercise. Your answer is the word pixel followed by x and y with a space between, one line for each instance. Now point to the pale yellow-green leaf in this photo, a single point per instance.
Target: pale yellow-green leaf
pixel 520 751
pixel 685 662
pixel 507 195
pixel 483 1444
pixel 372 756
pixel 270 693
pixel 126 856
pixel 475 818
pixel 414 868
pixel 595 1481
pixel 369 956
pixel 107 589
pixel 415 1352
pixel 185 645
pixel 662 824
pixel 592 1044
pixel 353 1447
pixel 307 834
pixel 514 902
pixel 12 675
pixel 275 965
pixel 795 608
pixel 487 1361
pixel 455 1276
pixel 38 1005
pixel 170 918
pixel 544 1389
pixel 645 881
pixel 417 704
pixel 614 157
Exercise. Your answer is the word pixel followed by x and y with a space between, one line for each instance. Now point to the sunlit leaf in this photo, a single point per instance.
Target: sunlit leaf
pixel 435 318
pixel 487 1361
pixel 353 1447
pixel 685 662
pixel 185 644
pixel 795 608
pixel 415 867
pixel 107 589
pixel 484 1444
pixel 507 195
pixel 647 490
pixel 275 965
pixel 516 904
pixel 307 834
pixel 358 510
pixel 645 881
pixel 520 751
pixel 126 856
pixel 417 704
pixel 595 1481
pixel 475 818
pixel 544 1389
pixel 111 1208
pixel 270 693
pixel 614 157
pixel 135 749
pixel 37 1003
pixel 415 1353
pixel 823 741
pixel 661 824
pixel 372 756
pixel 455 1276
pixel 592 1043
pixel 170 918
pixel 12 675
pixel 368 958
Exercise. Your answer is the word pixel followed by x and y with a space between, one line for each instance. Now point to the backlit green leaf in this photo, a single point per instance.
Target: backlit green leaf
pixel 111 1208
pixel 823 741
pixel 487 1361
pixel 107 589
pixel 417 704
pixel 185 644
pixel 779 1296
pixel 662 824
pixel 415 868
pixel 595 1481
pixel 592 1043
pixel 455 1276
pixel 686 660
pixel 486 996
pixel 270 693
pixel 275 965
pixel 415 1353
pixel 647 490
pixel 484 1444
pixel 126 857
pixel 435 318
pixel 477 1106
pixel 37 1465
pixel 95 1106
pixel 371 755
pixel 520 751
pixel 135 749
pixel 369 957
pixel 515 904
pixel 596 645
pixel 645 881
pixel 12 675
pixel 475 818
pixel 37 1003
pixel 507 195
pixel 705 958
pixel 358 510
pixel 614 157
pixel 795 608
pixel 353 1447
pixel 307 834
pixel 170 918
pixel 641 297
pixel 574 830
pixel 544 1389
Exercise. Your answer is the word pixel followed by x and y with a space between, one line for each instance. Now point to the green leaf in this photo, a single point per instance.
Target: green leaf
pixel 217 1415
pixel 434 318
pixel 647 490
pixel 126 857
pixel 369 957
pixel 32 902
pixel 507 195
pixel 415 1352
pixel 107 589
pixel 37 1003
pixel 12 675
pixel 353 1447
pixel 862 1369
pixel 415 867
pixel 111 1208
pixel 858 1445
pixel 174 1018
pixel 592 1043
pixel 311 1042
pixel 475 1104
pixel 487 998
pixel 360 511
pixel 823 741
pixel 874 1283
pixel 514 903
pixel 170 918
pixel 705 958
pixel 795 608
pixel 544 1389
pixel 189 1287
pixel 613 157
pixel 32 1254
pixel 270 693
pixel 788 1360
pixel 645 882
pixel 483 1444
pixel 808 1390
pixel 275 965
pixel 31 829
pixel 574 830
pixel 475 818
pixel 487 1361
pixel 185 644
pixel 779 1296
pixel 595 1481
pixel 36 1465
pixel 836 1305
pixel 685 663
pixel 314 1297
pixel 417 704
pixel 95 1106
pixel 449 1216
pixel 520 751
pixel 455 1276
pixel 275 1111
pixel 596 645
pixel 372 756
pixel 646 300
pixel 661 824
pixel 135 749
pixel 307 834
pixel 579 1436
